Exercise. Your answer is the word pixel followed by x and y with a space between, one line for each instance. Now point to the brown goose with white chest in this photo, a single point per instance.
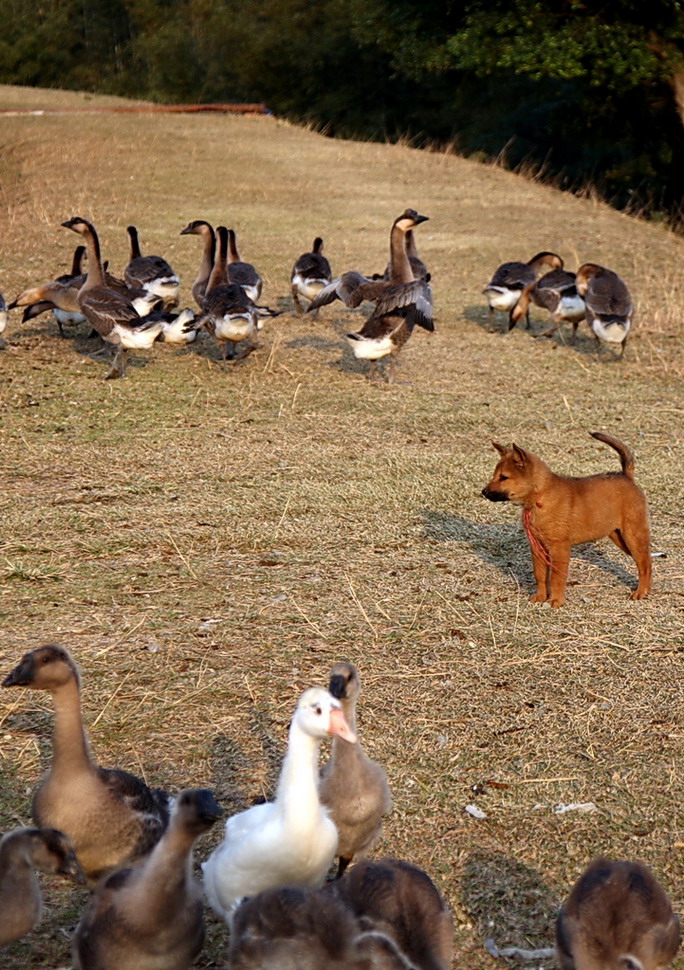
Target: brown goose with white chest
pixel 150 273
pixel 112 816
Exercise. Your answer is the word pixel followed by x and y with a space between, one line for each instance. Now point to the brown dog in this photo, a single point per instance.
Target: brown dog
pixel 560 512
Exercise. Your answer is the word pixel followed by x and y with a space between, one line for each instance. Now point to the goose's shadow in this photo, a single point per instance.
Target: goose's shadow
pixel 508 902
pixel 229 763
pixel 504 545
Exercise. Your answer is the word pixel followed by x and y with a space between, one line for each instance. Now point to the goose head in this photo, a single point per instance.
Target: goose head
pixel 197 228
pixel 319 714
pixel 408 219
pixel 585 274
pixel 53 852
pixel 345 683
pixel 46 668
pixel 78 224
pixel 196 810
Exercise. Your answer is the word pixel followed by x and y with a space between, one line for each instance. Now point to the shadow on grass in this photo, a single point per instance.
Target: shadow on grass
pixel 508 902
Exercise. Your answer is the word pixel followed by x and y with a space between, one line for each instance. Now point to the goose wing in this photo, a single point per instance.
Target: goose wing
pixel 147 269
pixel 105 309
pixel 351 288
pixel 410 300
pixel 513 275
pixel 312 266
pixel 151 806
pixel 607 295
pixel 244 274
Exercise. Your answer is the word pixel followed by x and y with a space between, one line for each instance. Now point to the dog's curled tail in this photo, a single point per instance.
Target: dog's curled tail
pixel 626 456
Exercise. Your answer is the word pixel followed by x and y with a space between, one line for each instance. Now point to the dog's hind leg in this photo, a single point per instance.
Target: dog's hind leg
pixel 636 545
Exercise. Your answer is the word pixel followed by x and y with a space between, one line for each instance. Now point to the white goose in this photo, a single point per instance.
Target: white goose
pixel 290 840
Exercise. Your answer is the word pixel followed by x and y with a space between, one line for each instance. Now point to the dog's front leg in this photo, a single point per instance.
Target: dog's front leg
pixel 541 571
pixel 560 560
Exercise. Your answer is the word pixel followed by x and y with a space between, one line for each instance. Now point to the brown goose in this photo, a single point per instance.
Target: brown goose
pixel 400 901
pixel 22 853
pixel 556 292
pixel 508 282
pixel 353 786
pixel 200 227
pixel 228 313
pixel 294 928
pixel 244 274
pixel 150 917
pixel 111 314
pixel 112 816
pixel 150 273
pixel 310 274
pixel 617 917
pixel 353 287
pixel 608 302
pixel 4 315
pixel 403 304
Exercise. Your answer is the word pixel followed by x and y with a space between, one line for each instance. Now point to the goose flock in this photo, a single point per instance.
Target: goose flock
pixel 271 877
pixel 136 311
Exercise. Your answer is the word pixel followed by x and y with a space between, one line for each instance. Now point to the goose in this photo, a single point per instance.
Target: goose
pixel 244 274
pixel 309 275
pixel 289 840
pixel 150 273
pixel 112 816
pixel 506 285
pixel 617 916
pixel 404 304
pixel 4 315
pixel 353 787
pixel 22 852
pixel 352 288
pixel 200 227
pixel 111 314
pixel 228 313
pixel 399 900
pixel 556 292
pixel 150 916
pixel 295 928
pixel 608 302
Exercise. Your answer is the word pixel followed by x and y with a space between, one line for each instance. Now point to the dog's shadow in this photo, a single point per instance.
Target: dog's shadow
pixel 500 544
pixel 504 546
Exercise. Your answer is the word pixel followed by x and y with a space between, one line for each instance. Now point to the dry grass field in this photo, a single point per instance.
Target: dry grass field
pixel 208 542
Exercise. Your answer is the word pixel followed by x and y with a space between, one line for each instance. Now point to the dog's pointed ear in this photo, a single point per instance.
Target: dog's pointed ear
pixel 500 448
pixel 519 455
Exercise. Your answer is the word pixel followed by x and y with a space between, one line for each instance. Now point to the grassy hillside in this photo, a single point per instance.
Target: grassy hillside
pixel 208 542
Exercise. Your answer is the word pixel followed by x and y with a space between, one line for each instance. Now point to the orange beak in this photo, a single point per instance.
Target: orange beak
pixel 338 726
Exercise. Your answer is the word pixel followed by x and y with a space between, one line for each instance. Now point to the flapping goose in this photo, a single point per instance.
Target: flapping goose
pixel 200 227
pixel 617 916
pixel 112 816
pixel 22 853
pixel 290 840
pixel 508 282
pixel 151 273
pixel 352 288
pixel 150 917
pixel 310 274
pixel 353 786
pixel 608 302
pixel 244 274
pixel 556 292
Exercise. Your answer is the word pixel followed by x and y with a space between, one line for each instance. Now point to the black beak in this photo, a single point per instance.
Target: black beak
pixel 419 219
pixel 21 676
pixel 338 686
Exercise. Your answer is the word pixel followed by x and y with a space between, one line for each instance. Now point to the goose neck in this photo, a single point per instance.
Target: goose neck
pixel 95 275
pixel 400 265
pixel 70 746
pixel 299 773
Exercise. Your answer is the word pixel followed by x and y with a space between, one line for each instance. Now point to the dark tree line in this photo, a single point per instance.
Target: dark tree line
pixel 589 93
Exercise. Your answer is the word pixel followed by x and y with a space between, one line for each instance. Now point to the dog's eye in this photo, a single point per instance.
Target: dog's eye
pixel 503 478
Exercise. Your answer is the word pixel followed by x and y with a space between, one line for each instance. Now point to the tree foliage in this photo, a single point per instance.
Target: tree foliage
pixel 586 91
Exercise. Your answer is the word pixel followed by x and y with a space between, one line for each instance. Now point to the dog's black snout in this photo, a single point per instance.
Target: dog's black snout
pixel 494 496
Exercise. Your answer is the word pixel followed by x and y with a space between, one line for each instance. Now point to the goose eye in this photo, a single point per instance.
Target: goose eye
pixel 317 710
